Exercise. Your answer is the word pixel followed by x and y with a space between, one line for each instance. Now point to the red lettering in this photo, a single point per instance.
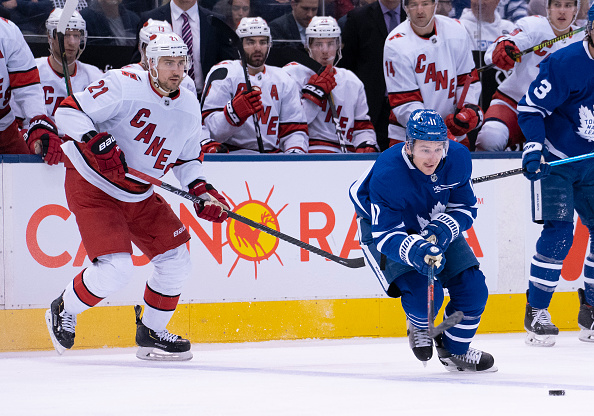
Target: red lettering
pixel 146 134
pixel 155 146
pixel 58 102
pixel 264 114
pixel 136 122
pixel 160 163
pixel 31 236
pixel 272 126
pixel 47 90
pixel 274 92
pixel 473 242
pixel 351 242
pixel 452 91
pixel 214 245
pixel 130 75
pixel 574 262
pixel 441 80
pixel 420 68
pixel 430 75
pixel 241 88
pixel 306 233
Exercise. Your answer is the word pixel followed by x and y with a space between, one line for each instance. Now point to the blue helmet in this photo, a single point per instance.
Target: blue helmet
pixel 426 125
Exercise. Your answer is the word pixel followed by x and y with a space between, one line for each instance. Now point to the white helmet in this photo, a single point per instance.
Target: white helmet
pixel 164 44
pixel 76 22
pixel 324 27
pixel 152 27
pixel 253 26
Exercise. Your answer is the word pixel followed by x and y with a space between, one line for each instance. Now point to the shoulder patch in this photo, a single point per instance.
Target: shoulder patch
pixel 396 36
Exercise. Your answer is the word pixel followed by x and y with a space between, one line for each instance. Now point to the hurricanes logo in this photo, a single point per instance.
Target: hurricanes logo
pixel 249 243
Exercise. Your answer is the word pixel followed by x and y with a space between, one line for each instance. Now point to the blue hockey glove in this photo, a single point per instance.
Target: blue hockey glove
pixel 418 253
pixel 442 230
pixel 533 163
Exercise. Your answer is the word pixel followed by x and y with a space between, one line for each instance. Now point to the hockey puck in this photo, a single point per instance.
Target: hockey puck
pixel 556 392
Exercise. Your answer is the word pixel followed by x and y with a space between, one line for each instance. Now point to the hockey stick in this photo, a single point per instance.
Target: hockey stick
pixel 541 45
pixel 467 82
pixel 300 57
pixel 238 44
pixel 517 171
pixel 352 263
pixel 452 320
pixel 67 12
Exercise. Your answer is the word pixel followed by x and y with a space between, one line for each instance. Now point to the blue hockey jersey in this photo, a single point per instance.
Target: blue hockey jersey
pixel 558 109
pixel 398 199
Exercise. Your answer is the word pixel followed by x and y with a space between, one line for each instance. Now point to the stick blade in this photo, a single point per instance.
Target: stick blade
pixel 452 320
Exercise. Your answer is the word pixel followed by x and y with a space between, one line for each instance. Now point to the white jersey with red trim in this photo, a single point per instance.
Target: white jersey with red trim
pixel 155 133
pixel 427 72
pixel 351 107
pixel 529 32
pixel 18 76
pixel 282 121
pixel 485 33
pixel 186 82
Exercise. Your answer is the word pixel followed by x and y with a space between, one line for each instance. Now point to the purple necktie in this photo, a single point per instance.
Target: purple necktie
pixel 187 38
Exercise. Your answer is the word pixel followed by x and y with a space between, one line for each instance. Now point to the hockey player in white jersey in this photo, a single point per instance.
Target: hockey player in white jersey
pixel 228 108
pixel 149 28
pixel 427 60
pixel 356 133
pixel 19 77
pixel 501 130
pixel 156 124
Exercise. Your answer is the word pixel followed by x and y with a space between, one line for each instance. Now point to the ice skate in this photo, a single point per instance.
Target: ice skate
pixel 61 325
pixel 160 346
pixel 585 318
pixel 474 360
pixel 541 331
pixel 420 342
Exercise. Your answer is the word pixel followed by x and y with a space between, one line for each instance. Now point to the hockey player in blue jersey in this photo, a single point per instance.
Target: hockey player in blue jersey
pixel 557 118
pixel 412 207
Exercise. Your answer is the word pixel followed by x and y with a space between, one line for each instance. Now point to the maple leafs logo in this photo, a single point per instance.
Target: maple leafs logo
pixel 586 128
pixel 437 209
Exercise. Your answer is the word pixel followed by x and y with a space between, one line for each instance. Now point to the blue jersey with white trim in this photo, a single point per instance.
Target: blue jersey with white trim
pixel 558 109
pixel 399 200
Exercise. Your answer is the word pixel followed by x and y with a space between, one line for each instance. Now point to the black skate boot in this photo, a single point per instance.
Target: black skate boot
pixel 61 325
pixel 585 318
pixel 541 331
pixel 159 346
pixel 474 360
pixel 420 342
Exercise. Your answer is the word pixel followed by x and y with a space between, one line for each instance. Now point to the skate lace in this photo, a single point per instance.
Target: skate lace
pixel 472 356
pixel 543 317
pixel 165 335
pixel 422 338
pixel 68 321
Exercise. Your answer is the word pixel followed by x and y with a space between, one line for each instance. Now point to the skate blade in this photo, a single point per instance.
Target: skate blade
pixel 452 367
pixel 156 354
pixel 535 340
pixel 586 335
pixel 48 321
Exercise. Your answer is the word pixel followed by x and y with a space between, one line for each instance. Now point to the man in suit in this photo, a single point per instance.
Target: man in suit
pixel 208 46
pixel 365 32
pixel 292 25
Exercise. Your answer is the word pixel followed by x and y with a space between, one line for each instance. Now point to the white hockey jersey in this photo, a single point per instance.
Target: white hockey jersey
pixel 155 133
pixel 427 73
pixel 351 107
pixel 283 125
pixel 54 86
pixel 486 33
pixel 530 31
pixel 18 76
pixel 186 82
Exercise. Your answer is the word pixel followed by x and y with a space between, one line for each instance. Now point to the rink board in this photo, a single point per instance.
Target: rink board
pixel 246 285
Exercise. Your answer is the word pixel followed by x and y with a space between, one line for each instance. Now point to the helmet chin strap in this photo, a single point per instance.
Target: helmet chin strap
pixel 568 26
pixel 155 80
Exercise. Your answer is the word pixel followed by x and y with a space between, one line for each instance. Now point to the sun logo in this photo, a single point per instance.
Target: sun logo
pixel 249 243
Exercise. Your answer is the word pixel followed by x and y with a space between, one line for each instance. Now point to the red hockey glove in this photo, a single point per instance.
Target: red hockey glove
pixel 503 55
pixel 319 86
pixel 42 138
pixel 242 106
pixel 366 148
pixel 213 206
pixel 110 158
pixel 465 120
pixel 210 146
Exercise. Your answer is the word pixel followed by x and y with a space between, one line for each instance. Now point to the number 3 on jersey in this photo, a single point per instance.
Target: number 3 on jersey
pixel 543 89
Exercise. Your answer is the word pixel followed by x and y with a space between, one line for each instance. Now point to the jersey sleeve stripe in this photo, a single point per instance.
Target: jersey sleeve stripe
pixel 206 113
pixel 538 107
pixel 528 109
pixel 363 125
pixel 70 102
pixel 462 78
pixel 285 129
pixel 19 79
pixel 398 98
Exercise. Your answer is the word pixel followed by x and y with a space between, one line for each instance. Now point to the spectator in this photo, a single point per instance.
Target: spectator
pixel 501 128
pixel 206 47
pixel 233 11
pixel 365 32
pixel 274 97
pixel 21 79
pixel 51 71
pixel 336 87
pixel 271 9
pixel 444 7
pixel 483 23
pixel 513 10
pixel 291 26
pixel 110 21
